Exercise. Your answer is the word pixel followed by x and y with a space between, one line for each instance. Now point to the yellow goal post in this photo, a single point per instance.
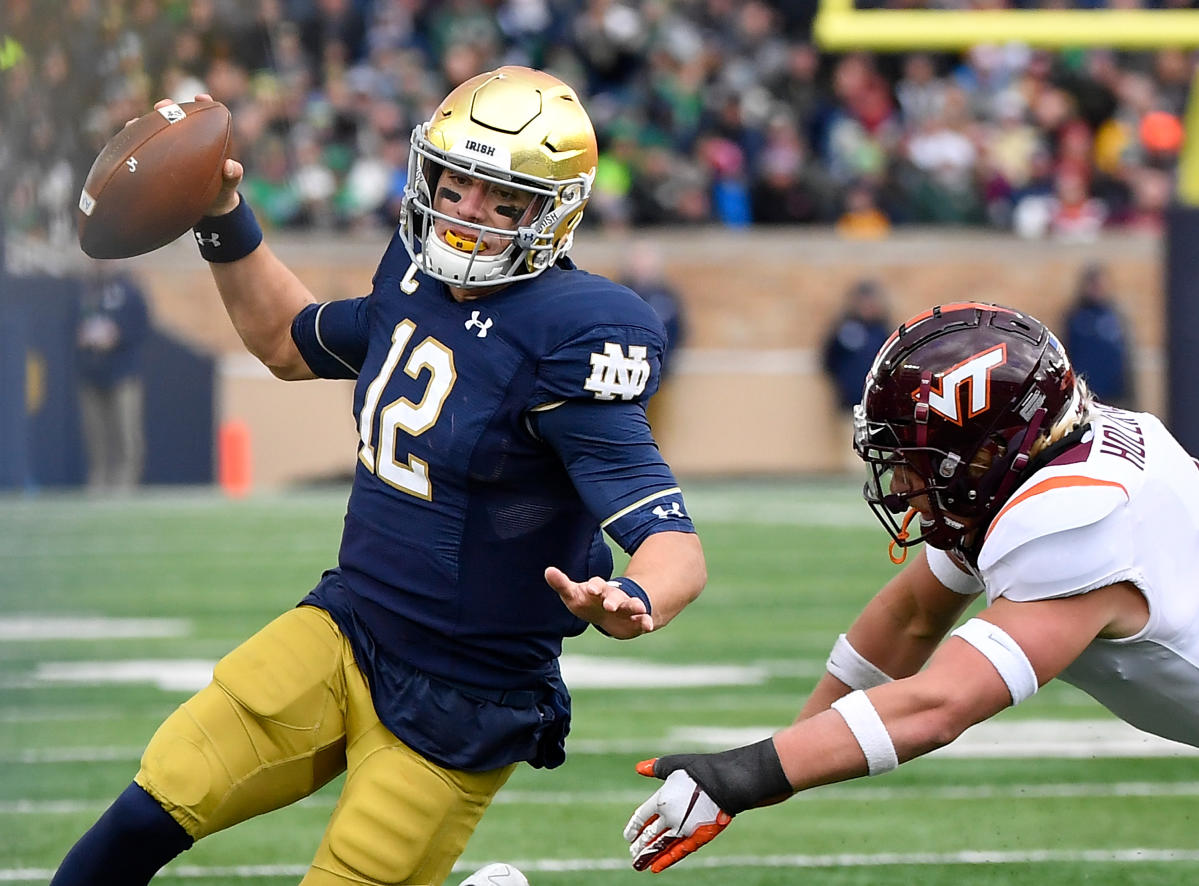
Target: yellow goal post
pixel 840 27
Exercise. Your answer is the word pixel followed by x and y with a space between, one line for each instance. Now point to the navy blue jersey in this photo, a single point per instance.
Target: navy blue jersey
pixel 465 490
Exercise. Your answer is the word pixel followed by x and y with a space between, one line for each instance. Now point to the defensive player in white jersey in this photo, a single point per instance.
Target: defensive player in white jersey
pixel 1079 522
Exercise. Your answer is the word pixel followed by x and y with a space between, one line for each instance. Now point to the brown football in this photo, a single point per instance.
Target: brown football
pixel 154 179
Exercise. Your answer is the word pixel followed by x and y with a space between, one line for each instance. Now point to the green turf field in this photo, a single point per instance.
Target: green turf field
pixel 109 610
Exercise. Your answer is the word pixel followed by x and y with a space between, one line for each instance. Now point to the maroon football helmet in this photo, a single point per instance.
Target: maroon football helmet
pixel 956 398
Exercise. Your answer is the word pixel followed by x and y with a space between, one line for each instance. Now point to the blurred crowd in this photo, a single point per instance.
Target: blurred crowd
pixel 707 111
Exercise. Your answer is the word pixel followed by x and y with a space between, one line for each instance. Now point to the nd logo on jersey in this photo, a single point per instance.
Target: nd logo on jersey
pixel 974 373
pixel 613 374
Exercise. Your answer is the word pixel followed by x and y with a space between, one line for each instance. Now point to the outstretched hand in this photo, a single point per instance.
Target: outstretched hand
pixel 678 819
pixel 602 604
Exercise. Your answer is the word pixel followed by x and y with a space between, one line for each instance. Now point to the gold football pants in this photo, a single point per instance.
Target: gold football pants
pixel 286 712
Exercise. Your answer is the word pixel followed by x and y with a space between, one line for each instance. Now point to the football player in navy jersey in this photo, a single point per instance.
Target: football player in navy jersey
pixel 500 403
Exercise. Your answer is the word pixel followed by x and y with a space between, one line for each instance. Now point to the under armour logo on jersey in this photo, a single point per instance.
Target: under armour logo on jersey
pixel 670 510
pixel 214 240
pixel 475 323
pixel 613 374
pixel 131 164
pixel 974 373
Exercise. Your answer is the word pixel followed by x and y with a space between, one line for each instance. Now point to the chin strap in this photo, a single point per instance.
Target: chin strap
pixel 901 536
pixel 1020 462
pixel 921 409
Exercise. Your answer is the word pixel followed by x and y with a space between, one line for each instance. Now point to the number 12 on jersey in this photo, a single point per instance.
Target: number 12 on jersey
pixel 412 474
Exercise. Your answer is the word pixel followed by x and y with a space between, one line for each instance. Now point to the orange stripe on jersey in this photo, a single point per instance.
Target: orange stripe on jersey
pixel 1053 483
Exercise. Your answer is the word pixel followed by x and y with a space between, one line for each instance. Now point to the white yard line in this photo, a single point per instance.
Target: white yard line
pixel 840 794
pixel 54 627
pixel 993 739
pixel 997 740
pixel 764 506
pixel 970 857
pixel 558 865
pixel 183 675
pixel 35 756
pixel 579 671
pixel 57 715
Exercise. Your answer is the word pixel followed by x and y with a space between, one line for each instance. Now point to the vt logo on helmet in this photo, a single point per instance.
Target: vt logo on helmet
pixel 973 374
pixel 957 402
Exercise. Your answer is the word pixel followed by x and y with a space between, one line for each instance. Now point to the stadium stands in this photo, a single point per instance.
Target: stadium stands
pixel 708 111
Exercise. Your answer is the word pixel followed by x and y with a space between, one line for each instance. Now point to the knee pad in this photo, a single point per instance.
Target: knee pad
pixel 402 818
pixel 183 768
pixel 266 732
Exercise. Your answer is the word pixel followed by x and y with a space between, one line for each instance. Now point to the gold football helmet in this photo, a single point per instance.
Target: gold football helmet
pixel 516 127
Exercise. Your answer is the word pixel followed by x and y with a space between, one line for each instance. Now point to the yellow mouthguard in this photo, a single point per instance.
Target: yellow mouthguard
pixel 460 243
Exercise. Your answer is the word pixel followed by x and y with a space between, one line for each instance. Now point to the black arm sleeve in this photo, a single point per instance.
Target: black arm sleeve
pixel 736 780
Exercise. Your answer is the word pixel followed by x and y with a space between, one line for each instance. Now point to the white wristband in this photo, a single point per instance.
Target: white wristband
pixel 847 665
pixel 869 730
pixel 1004 653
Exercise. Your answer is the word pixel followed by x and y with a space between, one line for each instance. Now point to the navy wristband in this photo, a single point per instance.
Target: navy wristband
pixel 229 237
pixel 633 589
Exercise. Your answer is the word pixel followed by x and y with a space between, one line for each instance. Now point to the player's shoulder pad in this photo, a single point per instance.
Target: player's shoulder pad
pixel 574 301
pixel 1067 562
pixel 1056 499
pixel 594 339
pixel 395 261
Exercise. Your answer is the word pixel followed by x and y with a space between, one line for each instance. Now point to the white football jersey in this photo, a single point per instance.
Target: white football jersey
pixel 1123 505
